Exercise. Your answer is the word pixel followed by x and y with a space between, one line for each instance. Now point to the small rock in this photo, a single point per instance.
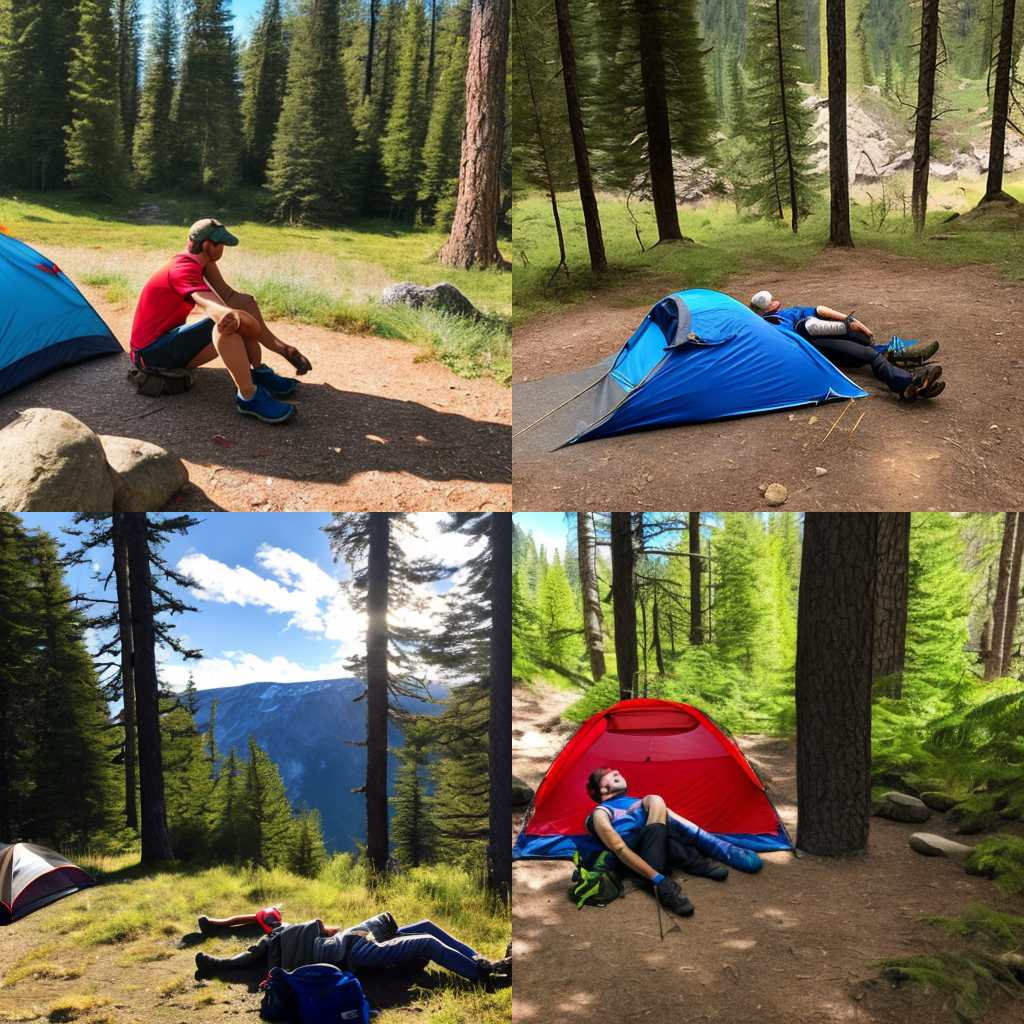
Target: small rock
pixel 776 494
pixel 145 475
pixel 820 471
pixel 444 297
pixel 52 462
pixel 900 807
pixel 930 845
pixel 761 488
pixel 938 801
pixel 522 794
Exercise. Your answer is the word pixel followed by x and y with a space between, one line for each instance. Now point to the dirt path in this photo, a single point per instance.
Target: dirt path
pixel 790 945
pixel 963 451
pixel 377 428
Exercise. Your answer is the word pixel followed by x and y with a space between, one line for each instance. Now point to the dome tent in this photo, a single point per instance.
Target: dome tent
pixel 661 747
pixel 701 355
pixel 45 321
pixel 32 876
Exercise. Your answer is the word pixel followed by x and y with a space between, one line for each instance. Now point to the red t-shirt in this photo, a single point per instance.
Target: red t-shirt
pixel 166 299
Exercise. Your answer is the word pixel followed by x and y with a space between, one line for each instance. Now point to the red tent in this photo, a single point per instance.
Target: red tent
pixel 32 876
pixel 660 747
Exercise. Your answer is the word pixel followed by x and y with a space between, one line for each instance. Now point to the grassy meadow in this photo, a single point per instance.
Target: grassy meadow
pixel 326 276
pixel 108 955
pixel 730 241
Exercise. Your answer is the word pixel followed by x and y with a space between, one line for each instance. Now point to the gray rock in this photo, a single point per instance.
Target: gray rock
pixel 930 845
pixel 145 475
pixel 522 794
pixel 52 462
pixel 938 801
pixel 444 297
pixel 900 807
pixel 775 494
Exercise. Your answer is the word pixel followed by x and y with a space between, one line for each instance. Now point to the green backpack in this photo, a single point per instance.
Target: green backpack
pixel 597 885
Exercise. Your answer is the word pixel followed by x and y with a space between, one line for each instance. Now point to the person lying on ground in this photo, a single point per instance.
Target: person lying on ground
pixel 233 328
pixel 649 840
pixel 267 919
pixel 376 942
pixel 845 341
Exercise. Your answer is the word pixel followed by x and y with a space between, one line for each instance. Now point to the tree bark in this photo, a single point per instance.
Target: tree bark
pixel 156 843
pixel 891 584
pixel 499 854
pixel 1000 106
pixel 794 208
pixel 473 242
pixel 368 69
pixel 624 603
pixel 835 625
pixel 1012 598
pixel 378 572
pixel 838 161
pixel 433 47
pixel 925 104
pixel 124 625
pixel 659 135
pixel 593 624
pixel 696 613
pixel 656 636
pixel 591 216
pixel 993 664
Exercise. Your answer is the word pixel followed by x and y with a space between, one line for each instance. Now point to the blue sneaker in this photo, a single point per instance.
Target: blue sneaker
pixel 265 407
pixel 280 387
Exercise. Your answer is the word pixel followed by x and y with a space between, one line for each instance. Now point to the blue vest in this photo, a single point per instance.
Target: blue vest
pixel 627 814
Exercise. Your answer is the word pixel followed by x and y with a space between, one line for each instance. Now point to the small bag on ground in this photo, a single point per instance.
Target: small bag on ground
pixel 156 382
pixel 597 885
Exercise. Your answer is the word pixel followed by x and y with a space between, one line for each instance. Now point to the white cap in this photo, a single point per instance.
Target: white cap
pixel 761 300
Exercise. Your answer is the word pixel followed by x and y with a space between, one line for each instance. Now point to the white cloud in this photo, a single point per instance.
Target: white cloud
pixel 235 668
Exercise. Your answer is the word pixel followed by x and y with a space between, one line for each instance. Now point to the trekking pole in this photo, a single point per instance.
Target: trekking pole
pixel 657 903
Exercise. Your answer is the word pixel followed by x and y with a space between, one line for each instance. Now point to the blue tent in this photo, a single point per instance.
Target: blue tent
pixel 701 355
pixel 45 321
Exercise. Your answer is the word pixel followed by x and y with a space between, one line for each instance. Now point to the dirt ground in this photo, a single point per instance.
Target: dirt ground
pixel 377 428
pixel 964 450
pixel 792 944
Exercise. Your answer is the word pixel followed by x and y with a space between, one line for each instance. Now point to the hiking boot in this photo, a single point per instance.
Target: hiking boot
pixel 265 407
pixel 923 382
pixel 204 965
pixel 704 867
pixel 907 352
pixel 280 387
pixel 204 925
pixel 934 390
pixel 672 899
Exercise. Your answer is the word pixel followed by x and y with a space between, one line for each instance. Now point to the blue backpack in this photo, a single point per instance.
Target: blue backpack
pixel 314 994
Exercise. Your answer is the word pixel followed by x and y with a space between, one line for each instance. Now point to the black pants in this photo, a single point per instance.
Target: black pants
pixel 848 352
pixel 254 958
pixel 665 848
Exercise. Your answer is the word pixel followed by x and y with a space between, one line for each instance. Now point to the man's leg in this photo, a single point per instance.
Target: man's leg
pixel 236 353
pixel 410 948
pixel 254 958
pixel 846 352
pixel 262 333
pixel 429 928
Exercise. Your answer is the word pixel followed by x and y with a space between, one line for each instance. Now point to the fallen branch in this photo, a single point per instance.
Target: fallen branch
pixel 835 424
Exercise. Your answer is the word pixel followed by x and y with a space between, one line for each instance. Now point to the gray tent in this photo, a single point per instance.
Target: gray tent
pixel 32 876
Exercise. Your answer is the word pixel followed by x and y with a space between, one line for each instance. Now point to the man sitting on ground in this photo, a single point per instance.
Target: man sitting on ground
pixel 845 341
pixel 232 329
pixel 649 840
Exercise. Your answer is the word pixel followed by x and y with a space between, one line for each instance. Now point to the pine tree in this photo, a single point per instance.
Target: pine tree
pixel 557 616
pixel 413 828
pixel 207 108
pixel 267 827
pixel 93 136
pixel 155 140
pixel 400 148
pixel 312 170
pixel 189 786
pixel 308 855
pixel 127 21
pixel 739 595
pixel 229 818
pixel 264 67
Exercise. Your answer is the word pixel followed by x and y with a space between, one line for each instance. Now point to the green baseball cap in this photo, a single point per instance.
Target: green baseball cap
pixel 210 230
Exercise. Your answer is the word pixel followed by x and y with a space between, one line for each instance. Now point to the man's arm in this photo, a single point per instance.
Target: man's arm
pixel 216 281
pixel 615 843
pixel 827 313
pixel 224 316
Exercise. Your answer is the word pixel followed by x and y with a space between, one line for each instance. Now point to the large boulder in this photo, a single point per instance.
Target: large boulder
pixel 444 297
pixel 522 794
pixel 900 807
pixel 930 845
pixel 938 801
pixel 145 475
pixel 52 462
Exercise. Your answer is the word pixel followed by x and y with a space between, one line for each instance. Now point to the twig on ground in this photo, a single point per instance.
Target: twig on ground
pixel 857 424
pixel 835 423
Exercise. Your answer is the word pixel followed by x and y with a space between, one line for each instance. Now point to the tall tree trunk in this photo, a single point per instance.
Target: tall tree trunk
pixel 1000 106
pixel 1012 599
pixel 124 625
pixel 643 639
pixel 696 615
pixel 993 664
pixel 624 602
pixel 378 572
pixel 473 242
pixel 593 624
pixel 835 625
pixel 591 216
pixel 671 632
pixel 794 206
pixel 156 843
pixel 838 161
pixel 925 103
pixel 368 69
pixel 890 632
pixel 659 135
pixel 433 47
pixel 656 636
pixel 499 854
pixel 985 643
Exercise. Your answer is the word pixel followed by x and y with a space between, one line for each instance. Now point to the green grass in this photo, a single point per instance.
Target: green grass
pixel 730 243
pixel 326 276
pixel 102 937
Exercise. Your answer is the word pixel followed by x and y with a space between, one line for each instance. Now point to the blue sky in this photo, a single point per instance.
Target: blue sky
pixel 548 528
pixel 245 12
pixel 270 603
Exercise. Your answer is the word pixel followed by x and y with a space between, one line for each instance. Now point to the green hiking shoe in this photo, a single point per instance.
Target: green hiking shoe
pixel 906 352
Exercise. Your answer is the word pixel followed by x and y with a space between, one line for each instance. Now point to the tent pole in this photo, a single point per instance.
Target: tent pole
pixel 557 407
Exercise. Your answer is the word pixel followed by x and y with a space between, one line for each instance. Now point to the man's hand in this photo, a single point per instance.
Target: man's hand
pixel 862 329
pixel 297 359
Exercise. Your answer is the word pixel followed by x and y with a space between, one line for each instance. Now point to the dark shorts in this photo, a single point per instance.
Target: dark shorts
pixel 177 348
